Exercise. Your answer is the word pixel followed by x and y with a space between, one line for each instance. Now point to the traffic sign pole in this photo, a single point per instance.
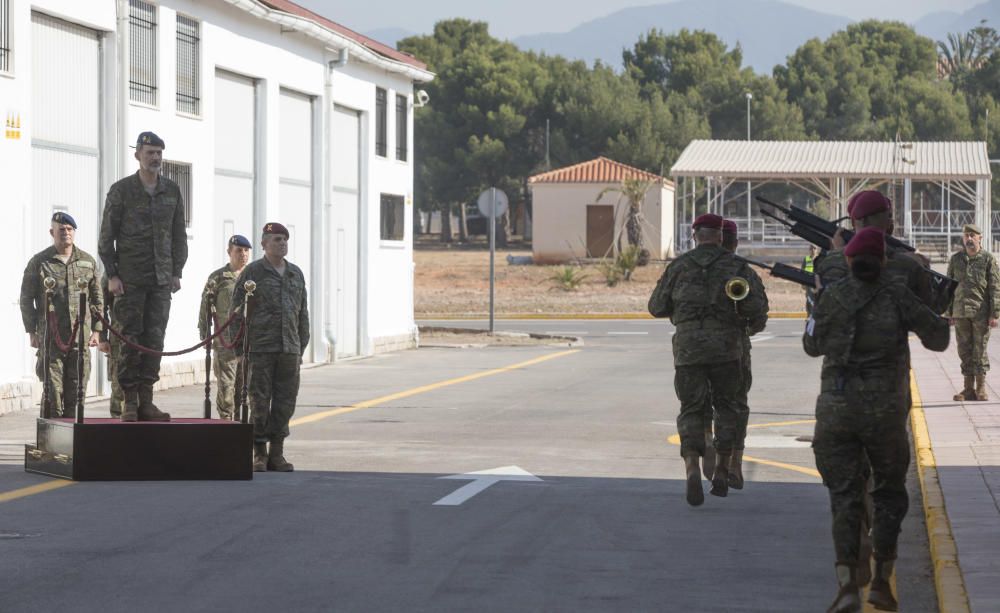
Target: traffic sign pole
pixel 493 236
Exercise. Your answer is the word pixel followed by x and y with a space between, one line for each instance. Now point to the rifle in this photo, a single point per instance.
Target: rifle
pixel 784 271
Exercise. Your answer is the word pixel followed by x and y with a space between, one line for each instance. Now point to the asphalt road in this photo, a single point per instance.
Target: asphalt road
pixel 581 507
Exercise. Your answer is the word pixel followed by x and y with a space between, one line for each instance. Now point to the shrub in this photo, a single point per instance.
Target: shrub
pixel 568 278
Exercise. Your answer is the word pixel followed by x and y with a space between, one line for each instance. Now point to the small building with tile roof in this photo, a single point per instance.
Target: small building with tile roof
pixel 579 212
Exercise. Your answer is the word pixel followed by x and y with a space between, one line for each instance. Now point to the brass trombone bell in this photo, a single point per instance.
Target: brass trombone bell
pixel 737 289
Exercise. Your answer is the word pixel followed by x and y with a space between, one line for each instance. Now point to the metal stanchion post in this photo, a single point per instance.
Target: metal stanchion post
pixel 49 284
pixel 81 284
pixel 210 316
pixel 249 287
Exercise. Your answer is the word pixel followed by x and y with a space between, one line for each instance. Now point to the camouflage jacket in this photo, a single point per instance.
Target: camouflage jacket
pixel 279 315
pixel 978 292
pixel 862 330
pixel 710 326
pixel 224 280
pixel 65 297
pixel 900 265
pixel 143 238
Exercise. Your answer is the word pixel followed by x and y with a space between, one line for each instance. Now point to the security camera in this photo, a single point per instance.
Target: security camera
pixel 422 98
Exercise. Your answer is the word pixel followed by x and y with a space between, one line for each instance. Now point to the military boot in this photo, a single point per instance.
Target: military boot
pixel 981 388
pixel 276 459
pixel 969 391
pixel 260 457
pixel 720 480
pixel 848 598
pixel 130 408
pixel 736 470
pixel 148 410
pixel 708 460
pixel 880 594
pixel 695 495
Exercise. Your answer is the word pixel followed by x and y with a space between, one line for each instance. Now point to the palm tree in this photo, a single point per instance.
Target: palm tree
pixel 633 191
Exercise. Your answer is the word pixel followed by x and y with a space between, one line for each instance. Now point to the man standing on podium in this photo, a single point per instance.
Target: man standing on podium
pixel 143 246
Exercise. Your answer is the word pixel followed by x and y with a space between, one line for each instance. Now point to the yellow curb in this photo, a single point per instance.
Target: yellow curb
pixel 527 316
pixel 952 595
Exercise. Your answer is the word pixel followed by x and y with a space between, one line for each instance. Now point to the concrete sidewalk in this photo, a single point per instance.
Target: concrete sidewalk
pixel 965 440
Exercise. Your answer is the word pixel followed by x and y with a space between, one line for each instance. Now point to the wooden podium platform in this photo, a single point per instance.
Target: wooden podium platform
pixel 109 450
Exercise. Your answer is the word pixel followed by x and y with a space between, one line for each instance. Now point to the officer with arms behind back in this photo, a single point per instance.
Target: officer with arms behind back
pixel 861 326
pixel 706 345
pixel 226 364
pixel 974 310
pixel 277 333
pixel 65 263
pixel 144 247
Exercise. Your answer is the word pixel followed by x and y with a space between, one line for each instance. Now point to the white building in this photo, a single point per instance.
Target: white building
pixel 269 112
pixel 571 219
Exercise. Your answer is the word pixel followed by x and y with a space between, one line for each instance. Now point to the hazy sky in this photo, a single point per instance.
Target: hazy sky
pixel 511 18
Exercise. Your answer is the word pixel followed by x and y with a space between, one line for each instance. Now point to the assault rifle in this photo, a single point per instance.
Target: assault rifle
pixel 784 271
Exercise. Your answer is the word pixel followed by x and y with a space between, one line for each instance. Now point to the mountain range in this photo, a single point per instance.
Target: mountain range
pixel 768 31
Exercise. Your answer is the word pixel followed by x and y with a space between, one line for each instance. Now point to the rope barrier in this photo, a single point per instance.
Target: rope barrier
pixel 149 351
pixel 239 333
pixel 53 323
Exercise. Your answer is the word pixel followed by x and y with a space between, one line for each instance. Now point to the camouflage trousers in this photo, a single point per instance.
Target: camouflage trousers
pixel 717 386
pixel 114 358
pixel 855 431
pixel 142 314
pixel 273 388
pixel 746 372
pixel 63 380
pixel 228 382
pixel 972 337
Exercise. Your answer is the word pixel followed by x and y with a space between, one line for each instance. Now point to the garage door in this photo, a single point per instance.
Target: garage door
pixel 65 142
pixel 346 182
pixel 296 179
pixel 235 106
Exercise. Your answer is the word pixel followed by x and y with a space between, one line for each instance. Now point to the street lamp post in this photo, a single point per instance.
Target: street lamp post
pixel 749 205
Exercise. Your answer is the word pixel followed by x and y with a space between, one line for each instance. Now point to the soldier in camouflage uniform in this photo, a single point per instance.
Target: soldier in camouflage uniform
pixel 143 246
pixel 706 346
pixel 861 326
pixel 226 364
pixel 65 263
pixel 277 334
pixel 974 310
pixel 111 346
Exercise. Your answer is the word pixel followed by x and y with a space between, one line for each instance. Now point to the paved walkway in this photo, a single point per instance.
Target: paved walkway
pixel 965 438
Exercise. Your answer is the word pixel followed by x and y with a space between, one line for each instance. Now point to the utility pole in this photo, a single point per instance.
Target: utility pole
pixel 749 203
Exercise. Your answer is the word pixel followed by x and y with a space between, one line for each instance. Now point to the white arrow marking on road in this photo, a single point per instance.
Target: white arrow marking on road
pixel 481 480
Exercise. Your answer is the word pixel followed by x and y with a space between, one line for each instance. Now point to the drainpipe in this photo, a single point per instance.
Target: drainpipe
pixel 123 88
pixel 321 218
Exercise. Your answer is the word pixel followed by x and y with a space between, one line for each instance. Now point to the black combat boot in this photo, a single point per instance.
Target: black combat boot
pixel 720 480
pixel 276 458
pixel 708 460
pixel 880 594
pixel 695 495
pixel 736 470
pixel 260 457
pixel 848 598
pixel 130 409
pixel 148 410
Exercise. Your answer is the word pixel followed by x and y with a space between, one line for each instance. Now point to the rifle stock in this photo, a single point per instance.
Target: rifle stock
pixel 784 271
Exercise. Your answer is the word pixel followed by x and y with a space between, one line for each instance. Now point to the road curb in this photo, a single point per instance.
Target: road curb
pixel 948 579
pixel 529 316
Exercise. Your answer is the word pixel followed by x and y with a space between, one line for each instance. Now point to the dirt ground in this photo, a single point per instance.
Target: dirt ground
pixel 455 281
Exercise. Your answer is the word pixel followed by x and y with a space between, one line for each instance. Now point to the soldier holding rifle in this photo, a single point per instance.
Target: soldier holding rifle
pixel 66 264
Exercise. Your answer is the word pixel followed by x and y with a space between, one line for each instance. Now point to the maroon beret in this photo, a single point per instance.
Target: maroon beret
pixel 868 241
pixel 275 228
pixel 708 220
pixel 729 226
pixel 868 202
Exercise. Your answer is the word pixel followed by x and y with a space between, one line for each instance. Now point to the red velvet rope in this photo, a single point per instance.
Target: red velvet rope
pixel 54 331
pixel 239 333
pixel 142 349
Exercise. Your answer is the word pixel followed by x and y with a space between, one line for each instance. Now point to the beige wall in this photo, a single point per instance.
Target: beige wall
pixel 559 219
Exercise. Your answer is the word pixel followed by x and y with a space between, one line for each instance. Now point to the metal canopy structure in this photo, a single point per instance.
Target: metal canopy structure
pixel 952 182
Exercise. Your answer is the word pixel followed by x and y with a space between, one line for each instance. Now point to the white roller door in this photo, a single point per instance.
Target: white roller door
pixel 65 141
pixel 235 115
pixel 346 187
pixel 296 178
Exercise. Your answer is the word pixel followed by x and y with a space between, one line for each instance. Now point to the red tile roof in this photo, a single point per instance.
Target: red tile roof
pixel 382 49
pixel 601 170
